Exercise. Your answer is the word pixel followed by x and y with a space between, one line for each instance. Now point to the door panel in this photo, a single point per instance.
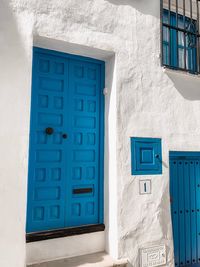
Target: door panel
pixel 185 207
pixel 198 207
pixel 187 211
pixel 64 164
pixel 83 171
pixel 175 206
pixel 181 211
pixel 193 210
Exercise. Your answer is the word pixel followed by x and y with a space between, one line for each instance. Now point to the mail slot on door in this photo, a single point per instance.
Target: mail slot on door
pixel 82 190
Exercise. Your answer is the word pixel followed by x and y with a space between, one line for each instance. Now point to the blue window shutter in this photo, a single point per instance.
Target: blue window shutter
pixel 146 156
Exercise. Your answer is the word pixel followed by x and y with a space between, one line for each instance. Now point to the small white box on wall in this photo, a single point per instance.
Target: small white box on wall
pixel 153 256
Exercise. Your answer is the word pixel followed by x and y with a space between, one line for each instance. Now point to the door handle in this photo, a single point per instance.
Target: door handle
pixel 49 130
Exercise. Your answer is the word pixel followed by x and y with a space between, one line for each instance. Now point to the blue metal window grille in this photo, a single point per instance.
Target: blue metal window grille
pixel 180 35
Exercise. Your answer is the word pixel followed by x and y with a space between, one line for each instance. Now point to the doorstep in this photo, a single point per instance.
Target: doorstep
pixel 65 247
pixel 100 259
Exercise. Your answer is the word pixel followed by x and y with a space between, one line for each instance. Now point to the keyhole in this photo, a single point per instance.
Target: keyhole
pixel 64 136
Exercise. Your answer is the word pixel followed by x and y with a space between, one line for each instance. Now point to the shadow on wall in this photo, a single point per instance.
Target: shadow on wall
pixel 13 113
pixel 71 48
pixel 143 6
pixel 10 41
pixel 187 85
pixel 109 181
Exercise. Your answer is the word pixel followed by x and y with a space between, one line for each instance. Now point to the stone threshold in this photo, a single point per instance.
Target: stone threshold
pixel 64 232
pixel 100 259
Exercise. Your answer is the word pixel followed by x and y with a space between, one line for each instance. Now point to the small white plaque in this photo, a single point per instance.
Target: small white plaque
pixel 154 256
pixel 145 187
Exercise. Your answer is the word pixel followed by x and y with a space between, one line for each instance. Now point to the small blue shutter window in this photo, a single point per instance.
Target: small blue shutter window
pixel 146 156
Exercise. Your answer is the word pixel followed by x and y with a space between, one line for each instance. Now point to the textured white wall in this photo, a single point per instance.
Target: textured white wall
pixel 14 120
pixel 144 100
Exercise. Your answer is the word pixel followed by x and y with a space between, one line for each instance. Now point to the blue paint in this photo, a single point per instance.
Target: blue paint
pixel 181 213
pixel 174 210
pixel 191 51
pixel 146 156
pixel 186 190
pixel 185 154
pixel 193 211
pixel 67 95
pixel 185 206
pixel 198 205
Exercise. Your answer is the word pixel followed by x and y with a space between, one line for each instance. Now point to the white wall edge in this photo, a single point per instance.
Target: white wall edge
pixel 72 48
pixel 186 74
pixel 66 247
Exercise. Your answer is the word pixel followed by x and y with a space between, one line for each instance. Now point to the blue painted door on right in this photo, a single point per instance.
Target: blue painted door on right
pixel 185 207
pixel 66 142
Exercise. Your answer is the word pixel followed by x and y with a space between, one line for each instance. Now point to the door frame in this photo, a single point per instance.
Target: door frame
pixel 184 154
pixel 101 63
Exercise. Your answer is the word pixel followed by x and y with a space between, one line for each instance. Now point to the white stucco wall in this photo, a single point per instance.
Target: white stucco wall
pixel 142 100
pixel 14 117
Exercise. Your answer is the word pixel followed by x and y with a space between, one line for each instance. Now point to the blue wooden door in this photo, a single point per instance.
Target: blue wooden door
pixel 65 183
pixel 185 207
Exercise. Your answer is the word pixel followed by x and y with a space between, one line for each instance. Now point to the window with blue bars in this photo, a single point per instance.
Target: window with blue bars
pixel 180 35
